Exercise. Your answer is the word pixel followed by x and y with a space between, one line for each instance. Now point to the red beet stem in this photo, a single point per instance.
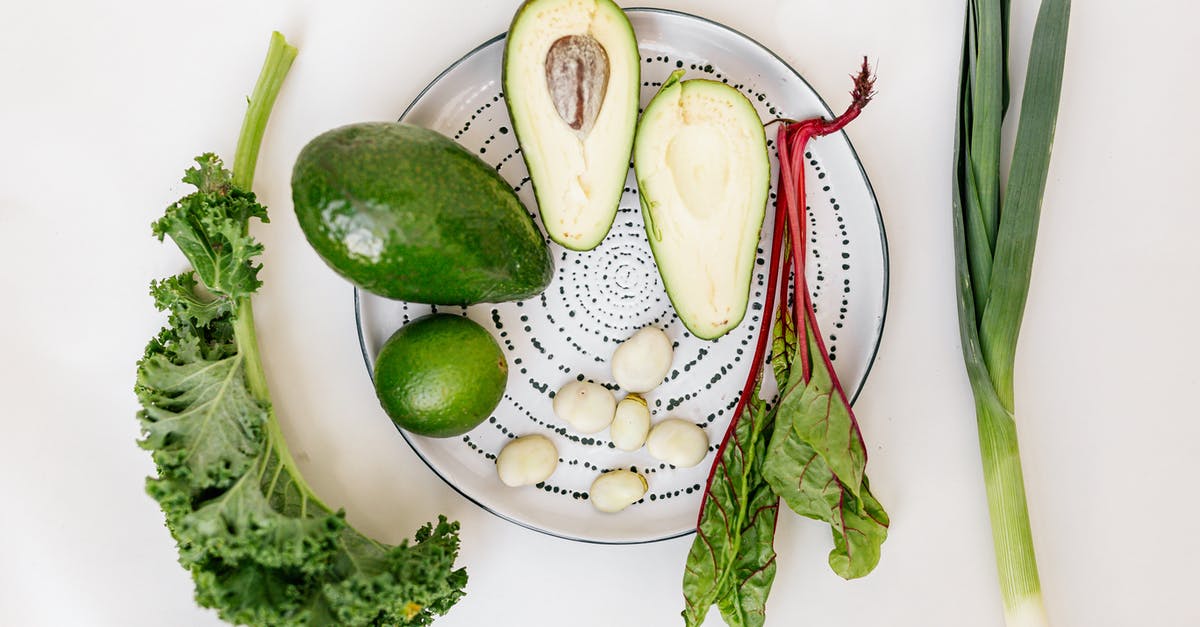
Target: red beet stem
pixel 860 96
pixel 791 186
pixel 790 211
pixel 792 140
pixel 766 322
pixel 798 135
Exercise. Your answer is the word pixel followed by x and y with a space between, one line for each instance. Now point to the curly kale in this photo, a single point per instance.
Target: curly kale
pixel 261 547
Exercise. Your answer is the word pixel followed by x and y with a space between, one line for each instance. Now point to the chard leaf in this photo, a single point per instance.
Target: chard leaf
pixel 744 601
pixel 858 540
pixel 802 467
pixel 817 414
pixel 732 559
pixel 783 340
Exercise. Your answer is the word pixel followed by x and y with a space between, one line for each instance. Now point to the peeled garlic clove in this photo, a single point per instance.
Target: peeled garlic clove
pixel 587 407
pixel 527 460
pixel 614 491
pixel 630 424
pixel 677 442
pixel 641 363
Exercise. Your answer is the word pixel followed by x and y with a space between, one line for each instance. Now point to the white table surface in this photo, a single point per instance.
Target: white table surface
pixel 102 105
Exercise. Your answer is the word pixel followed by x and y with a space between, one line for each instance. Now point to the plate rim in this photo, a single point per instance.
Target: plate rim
pixel 362 343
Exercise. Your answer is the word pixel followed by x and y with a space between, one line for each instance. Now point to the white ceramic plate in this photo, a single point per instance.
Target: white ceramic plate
pixel 599 298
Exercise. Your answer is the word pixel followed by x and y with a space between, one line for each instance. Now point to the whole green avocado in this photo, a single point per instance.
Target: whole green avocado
pixel 406 213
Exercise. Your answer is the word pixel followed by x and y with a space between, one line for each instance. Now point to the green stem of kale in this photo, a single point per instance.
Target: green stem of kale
pixel 279 60
pixel 247 341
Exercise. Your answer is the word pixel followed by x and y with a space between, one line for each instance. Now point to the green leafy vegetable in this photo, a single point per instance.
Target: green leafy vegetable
pixel 994 241
pixel 816 414
pixel 816 462
pixel 732 561
pixel 815 459
pixel 261 547
pixel 784 344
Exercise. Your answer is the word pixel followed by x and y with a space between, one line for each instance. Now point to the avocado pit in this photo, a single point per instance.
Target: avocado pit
pixel 577 79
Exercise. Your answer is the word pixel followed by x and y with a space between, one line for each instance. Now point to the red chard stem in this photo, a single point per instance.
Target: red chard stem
pixel 760 349
pixel 790 210
pixel 732 560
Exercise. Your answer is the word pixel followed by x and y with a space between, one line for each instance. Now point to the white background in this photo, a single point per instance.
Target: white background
pixel 102 106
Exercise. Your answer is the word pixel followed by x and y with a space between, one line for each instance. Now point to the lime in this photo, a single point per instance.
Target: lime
pixel 440 375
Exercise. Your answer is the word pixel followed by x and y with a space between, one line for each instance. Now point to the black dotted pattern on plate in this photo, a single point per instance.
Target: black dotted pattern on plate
pixel 600 297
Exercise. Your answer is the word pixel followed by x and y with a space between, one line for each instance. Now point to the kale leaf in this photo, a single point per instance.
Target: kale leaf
pixel 261 547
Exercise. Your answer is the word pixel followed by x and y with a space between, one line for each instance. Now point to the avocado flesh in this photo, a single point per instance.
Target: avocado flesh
pixel 578 165
pixel 703 177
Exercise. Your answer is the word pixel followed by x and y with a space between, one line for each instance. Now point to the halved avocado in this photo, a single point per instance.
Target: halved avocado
pixel 703 177
pixel 571 81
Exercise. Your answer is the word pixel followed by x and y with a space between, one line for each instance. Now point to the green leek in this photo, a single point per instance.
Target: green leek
pixel 994 239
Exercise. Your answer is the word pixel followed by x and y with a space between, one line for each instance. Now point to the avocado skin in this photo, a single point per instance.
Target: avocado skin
pixel 406 213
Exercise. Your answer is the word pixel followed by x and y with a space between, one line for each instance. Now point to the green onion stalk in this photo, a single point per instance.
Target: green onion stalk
pixel 994 238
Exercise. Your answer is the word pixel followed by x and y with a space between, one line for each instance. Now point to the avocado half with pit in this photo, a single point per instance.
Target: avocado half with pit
pixel 703 178
pixel 571 82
